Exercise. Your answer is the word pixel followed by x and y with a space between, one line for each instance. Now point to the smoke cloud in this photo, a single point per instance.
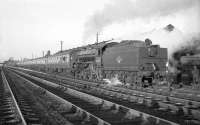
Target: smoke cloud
pixel 123 10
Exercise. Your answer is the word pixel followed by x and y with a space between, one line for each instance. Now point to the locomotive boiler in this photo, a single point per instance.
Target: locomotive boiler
pixel 130 61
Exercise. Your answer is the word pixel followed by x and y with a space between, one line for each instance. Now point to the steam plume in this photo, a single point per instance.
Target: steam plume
pixel 123 10
pixel 169 36
pixel 113 81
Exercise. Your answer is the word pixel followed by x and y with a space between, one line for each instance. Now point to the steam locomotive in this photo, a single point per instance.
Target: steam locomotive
pixel 131 61
pixel 190 67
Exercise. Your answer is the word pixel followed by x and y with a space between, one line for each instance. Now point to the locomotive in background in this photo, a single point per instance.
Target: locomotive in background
pixel 186 62
pixel 190 70
pixel 131 61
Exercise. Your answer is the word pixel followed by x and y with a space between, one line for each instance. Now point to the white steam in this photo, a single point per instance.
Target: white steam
pixel 124 10
pixel 172 39
pixel 113 81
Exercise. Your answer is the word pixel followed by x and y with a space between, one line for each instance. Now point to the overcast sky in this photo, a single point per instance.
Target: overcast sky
pixel 28 27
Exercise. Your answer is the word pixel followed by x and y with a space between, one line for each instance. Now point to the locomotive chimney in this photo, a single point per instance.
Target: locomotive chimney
pixel 148 42
pixel 48 53
pixel 42 53
pixel 61 45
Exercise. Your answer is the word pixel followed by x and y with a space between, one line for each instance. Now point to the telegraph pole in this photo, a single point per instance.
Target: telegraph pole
pixel 61 45
pixel 42 53
pixel 97 38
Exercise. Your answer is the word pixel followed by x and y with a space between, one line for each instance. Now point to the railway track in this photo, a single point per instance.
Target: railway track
pixel 175 97
pixel 25 102
pixel 158 93
pixel 28 111
pixel 114 114
pixel 64 112
pixel 10 112
pixel 126 102
pixel 185 109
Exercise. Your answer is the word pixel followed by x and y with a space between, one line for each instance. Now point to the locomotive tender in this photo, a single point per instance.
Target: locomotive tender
pixel 130 60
